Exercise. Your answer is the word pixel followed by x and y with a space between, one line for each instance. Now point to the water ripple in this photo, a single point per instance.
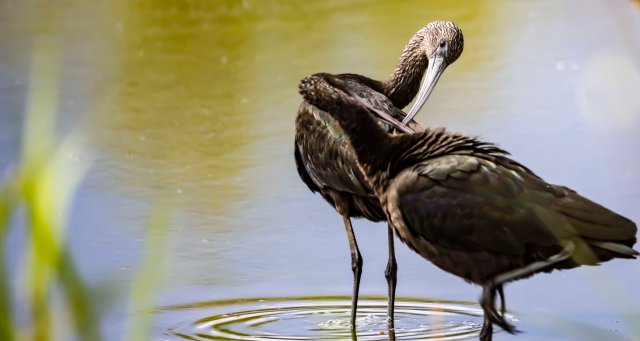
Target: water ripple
pixel 323 318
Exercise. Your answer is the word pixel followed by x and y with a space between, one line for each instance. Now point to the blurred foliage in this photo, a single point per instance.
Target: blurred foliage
pixel 42 187
pixel 6 322
pixel 149 274
pixel 60 304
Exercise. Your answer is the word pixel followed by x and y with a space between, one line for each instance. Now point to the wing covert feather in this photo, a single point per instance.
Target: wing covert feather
pixel 472 203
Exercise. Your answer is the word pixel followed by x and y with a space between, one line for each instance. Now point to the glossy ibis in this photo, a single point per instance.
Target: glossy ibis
pixel 324 159
pixel 464 205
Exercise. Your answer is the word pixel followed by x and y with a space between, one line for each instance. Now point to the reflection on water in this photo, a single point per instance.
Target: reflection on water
pixel 194 101
pixel 322 318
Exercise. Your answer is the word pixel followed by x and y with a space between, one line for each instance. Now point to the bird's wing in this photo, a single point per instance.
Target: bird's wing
pixel 474 203
pixel 303 172
pixel 379 104
pixel 324 154
pixel 372 98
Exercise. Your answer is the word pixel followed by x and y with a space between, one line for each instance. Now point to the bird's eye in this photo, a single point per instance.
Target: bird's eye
pixel 442 44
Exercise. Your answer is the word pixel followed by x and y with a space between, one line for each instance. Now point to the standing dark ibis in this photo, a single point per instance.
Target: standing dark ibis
pixel 325 161
pixel 467 207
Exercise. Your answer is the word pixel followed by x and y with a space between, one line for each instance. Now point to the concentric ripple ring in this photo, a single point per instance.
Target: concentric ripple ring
pixel 322 318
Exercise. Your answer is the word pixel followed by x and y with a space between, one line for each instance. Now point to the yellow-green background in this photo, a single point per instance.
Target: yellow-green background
pixel 193 103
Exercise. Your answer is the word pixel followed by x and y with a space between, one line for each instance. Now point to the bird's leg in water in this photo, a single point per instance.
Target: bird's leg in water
pixel 487 301
pixel 391 274
pixel 503 305
pixel 354 336
pixel 392 334
pixel 342 206
pixel 356 266
pixel 491 315
pixel 486 334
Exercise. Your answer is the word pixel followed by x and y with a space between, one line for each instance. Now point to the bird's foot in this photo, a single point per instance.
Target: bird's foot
pixel 486 334
pixel 488 304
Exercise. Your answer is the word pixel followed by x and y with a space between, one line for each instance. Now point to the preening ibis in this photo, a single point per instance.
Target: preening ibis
pixel 324 159
pixel 467 207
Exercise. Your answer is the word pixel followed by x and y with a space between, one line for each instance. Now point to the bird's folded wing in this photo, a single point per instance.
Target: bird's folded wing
pixel 474 203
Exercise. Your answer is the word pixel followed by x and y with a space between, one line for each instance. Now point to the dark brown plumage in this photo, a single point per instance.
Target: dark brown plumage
pixel 467 207
pixel 324 159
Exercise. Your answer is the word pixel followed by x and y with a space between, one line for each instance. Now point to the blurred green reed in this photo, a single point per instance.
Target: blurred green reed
pixel 58 302
pixel 149 272
pixel 6 324
pixel 42 188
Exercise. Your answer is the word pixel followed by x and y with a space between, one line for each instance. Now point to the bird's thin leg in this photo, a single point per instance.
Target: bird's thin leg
pixel 486 334
pixel 354 335
pixel 392 334
pixel 391 274
pixel 491 315
pixel 489 290
pixel 356 267
pixel 503 304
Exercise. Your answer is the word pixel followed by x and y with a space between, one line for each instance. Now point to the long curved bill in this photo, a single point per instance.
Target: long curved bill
pixel 434 71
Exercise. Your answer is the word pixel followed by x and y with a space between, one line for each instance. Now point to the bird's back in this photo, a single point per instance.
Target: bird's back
pixel 477 213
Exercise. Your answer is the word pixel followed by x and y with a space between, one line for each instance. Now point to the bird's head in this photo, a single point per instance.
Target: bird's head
pixel 442 42
pixel 443 39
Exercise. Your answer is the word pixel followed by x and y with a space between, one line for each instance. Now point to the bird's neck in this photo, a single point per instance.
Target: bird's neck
pixel 404 83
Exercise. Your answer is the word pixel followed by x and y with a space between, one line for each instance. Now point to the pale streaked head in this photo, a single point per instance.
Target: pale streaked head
pixel 442 43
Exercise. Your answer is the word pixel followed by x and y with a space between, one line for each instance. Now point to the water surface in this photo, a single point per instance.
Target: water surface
pixel 322 318
pixel 194 102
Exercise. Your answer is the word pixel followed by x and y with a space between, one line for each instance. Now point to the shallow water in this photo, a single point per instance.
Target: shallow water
pixel 195 104
pixel 322 318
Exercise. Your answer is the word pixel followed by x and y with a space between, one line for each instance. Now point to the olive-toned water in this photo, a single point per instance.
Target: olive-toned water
pixel 192 103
